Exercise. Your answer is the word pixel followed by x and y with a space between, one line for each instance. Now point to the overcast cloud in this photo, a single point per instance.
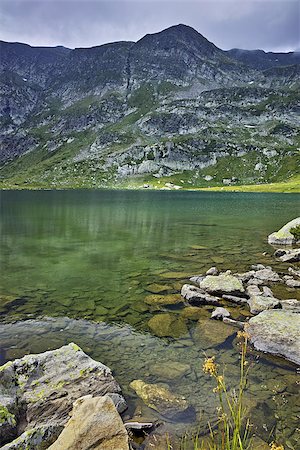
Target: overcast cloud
pixel 273 25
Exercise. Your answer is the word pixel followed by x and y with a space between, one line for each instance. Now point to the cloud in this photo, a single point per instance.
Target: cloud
pixel 268 24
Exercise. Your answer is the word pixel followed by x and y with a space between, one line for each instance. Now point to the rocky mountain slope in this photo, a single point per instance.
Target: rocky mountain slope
pixel 170 108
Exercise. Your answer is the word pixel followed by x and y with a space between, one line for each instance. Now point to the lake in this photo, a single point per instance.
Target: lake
pixel 78 266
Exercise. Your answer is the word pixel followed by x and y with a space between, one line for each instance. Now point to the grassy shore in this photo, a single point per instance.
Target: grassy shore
pixel 290 186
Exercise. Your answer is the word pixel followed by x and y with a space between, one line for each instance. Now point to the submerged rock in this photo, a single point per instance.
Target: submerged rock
pixel 284 236
pixel 160 398
pixel 276 331
pixel 156 288
pixel 210 333
pixel 170 299
pixel 39 390
pixel 191 313
pixel 168 325
pixel 222 284
pixel 169 370
pixel 96 424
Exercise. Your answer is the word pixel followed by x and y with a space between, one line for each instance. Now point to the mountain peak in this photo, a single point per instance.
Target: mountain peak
pixel 179 36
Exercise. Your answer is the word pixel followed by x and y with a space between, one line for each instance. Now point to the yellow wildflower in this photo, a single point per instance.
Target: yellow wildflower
pixel 242 335
pixel 276 447
pixel 210 366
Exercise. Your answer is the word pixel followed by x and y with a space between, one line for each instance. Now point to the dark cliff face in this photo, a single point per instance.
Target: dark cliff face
pixel 113 103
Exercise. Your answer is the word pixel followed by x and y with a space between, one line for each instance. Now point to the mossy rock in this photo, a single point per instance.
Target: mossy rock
pixel 284 236
pixel 170 299
pixel 168 325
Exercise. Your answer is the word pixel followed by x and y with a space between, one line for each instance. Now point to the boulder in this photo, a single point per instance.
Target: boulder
pixel 293 283
pixel 212 271
pixel 196 296
pixel 283 236
pixel 291 256
pixel 168 325
pixel 37 392
pixel 291 304
pixel 197 279
pixel 276 331
pixel 160 399
pixel 267 274
pixel 222 284
pixel 219 313
pixel 95 424
pixel 259 303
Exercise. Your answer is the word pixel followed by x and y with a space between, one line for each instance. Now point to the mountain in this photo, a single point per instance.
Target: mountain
pixel 258 59
pixel 171 107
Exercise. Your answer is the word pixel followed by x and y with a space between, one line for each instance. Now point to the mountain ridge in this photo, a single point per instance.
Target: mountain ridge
pixel 171 106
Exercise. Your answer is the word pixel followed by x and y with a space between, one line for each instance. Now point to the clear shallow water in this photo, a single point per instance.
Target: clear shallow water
pixel 91 256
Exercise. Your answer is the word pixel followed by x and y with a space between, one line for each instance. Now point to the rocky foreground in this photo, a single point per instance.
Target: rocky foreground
pixel 38 393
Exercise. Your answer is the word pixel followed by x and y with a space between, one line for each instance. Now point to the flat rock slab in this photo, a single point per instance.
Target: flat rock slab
pixel 291 256
pixel 276 331
pixel 38 391
pixel 267 274
pixel 168 325
pixel 259 303
pixel 95 424
pixel 283 236
pixel 160 399
pixel 157 300
pixel 222 284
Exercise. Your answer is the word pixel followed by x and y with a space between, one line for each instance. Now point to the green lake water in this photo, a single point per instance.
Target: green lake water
pixel 78 265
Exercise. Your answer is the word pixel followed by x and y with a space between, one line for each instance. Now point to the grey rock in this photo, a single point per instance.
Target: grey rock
pixel 219 313
pixel 195 296
pixel 259 303
pixel 234 299
pixel 40 390
pixel 277 332
pixel 257 267
pixel 244 277
pixel 291 304
pixel 95 424
pixel 267 274
pixel 293 283
pixel 222 284
pixel 267 291
pixel 291 256
pixel 255 282
pixel 212 271
pixel 294 272
pixel 197 279
pixel 234 323
pixel 253 290
pixel 283 236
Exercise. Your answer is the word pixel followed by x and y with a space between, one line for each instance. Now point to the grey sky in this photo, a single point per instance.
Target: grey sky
pixel 273 25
